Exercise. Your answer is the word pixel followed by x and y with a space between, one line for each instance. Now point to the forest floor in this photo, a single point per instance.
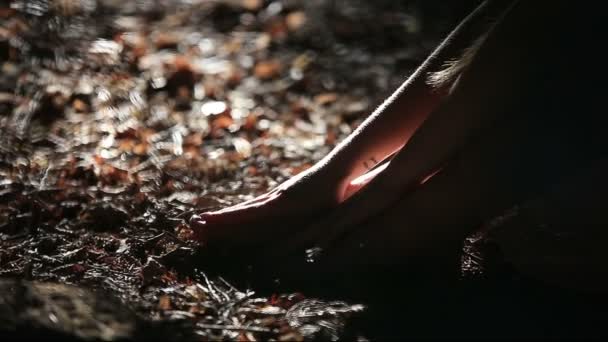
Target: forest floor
pixel 119 120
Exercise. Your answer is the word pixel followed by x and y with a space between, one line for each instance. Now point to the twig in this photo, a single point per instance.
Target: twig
pixel 212 292
pixel 231 327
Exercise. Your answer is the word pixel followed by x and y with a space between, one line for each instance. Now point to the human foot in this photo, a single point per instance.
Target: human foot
pixel 320 188
pixel 256 220
pixel 409 237
pixel 329 182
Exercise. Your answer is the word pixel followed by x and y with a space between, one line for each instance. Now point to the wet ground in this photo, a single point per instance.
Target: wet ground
pixel 120 119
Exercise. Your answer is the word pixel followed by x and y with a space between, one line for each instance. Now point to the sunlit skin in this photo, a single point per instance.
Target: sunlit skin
pixel 384 132
pixel 455 145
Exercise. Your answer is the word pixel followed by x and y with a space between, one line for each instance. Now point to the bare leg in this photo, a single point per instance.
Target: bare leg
pixel 508 67
pixel 515 136
pixel 493 172
pixel 325 185
pixel 513 133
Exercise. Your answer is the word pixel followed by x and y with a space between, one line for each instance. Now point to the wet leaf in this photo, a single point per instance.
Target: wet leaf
pixel 105 216
pixel 152 271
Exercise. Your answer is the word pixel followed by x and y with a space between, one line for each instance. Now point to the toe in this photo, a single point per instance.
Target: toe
pixel 198 225
pixel 239 225
pixel 243 214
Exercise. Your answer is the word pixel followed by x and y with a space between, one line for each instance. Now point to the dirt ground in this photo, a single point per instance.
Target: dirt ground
pixel 120 119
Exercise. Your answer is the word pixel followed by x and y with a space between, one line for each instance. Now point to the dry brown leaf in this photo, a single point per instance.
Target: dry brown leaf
pixel 250 122
pixel 166 41
pixel 80 106
pixel 194 139
pixel 325 98
pixel 295 20
pixel 140 149
pixel 277 29
pixel 269 69
pixel 252 5
pixel 164 303
pixel 292 336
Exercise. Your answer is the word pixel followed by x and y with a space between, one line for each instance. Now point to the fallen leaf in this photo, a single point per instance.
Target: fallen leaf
pixel 325 98
pixel 252 5
pixel 164 303
pixel 295 20
pixel 269 69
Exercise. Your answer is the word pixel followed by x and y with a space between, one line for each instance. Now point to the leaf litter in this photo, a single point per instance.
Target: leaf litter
pixel 119 120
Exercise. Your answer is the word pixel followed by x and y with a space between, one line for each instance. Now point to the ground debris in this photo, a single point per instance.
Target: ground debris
pixel 33 308
pixel 119 120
